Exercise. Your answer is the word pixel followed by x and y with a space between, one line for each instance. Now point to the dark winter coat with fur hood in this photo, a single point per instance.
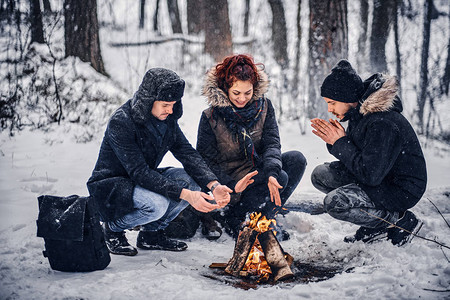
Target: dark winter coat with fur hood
pixel 221 150
pixel 132 149
pixel 381 148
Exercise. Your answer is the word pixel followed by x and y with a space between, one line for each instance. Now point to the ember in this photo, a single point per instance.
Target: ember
pixel 258 253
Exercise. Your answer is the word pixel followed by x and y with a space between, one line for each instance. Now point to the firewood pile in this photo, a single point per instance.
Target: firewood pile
pixel 258 253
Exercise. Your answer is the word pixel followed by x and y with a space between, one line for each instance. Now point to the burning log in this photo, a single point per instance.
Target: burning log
pixel 257 252
pixel 244 245
pixel 275 256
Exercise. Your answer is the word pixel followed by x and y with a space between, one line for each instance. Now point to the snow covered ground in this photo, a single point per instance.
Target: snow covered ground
pixel 34 163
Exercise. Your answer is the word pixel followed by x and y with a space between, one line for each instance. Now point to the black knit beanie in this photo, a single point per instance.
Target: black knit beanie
pixel 343 84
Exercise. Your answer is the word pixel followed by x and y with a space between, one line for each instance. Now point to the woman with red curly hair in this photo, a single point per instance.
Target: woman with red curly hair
pixel 238 138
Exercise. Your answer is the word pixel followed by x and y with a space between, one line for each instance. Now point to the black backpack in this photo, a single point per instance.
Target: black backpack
pixel 73 236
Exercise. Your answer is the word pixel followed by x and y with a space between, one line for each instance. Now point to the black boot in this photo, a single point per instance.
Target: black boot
pixel 157 240
pixel 117 242
pixel 210 229
pixel 410 226
pixel 367 235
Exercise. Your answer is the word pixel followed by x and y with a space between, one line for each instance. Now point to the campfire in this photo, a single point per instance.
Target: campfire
pixel 258 253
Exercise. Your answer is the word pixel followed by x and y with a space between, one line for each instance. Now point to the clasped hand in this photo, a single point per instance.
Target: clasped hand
pixel 329 131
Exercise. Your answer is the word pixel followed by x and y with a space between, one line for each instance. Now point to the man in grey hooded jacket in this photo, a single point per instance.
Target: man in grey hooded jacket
pixel 127 185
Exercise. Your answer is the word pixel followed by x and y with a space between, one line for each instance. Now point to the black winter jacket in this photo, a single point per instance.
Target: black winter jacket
pixel 225 158
pixel 381 148
pixel 129 154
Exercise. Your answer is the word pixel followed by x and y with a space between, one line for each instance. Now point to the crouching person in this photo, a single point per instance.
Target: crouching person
pixel 126 184
pixel 381 171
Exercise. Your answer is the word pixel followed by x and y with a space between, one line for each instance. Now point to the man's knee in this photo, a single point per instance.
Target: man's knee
pixel 157 207
pixel 318 177
pixel 335 202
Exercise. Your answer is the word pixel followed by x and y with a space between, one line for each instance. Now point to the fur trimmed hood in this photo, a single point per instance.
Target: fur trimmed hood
pixel 381 94
pixel 216 97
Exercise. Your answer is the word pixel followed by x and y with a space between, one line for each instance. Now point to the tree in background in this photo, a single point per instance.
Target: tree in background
pixel 141 14
pixel 398 58
pixel 218 42
pixel 279 33
pixel 445 81
pixel 47 6
pixel 246 16
pixel 37 32
pixel 361 58
pixel 430 14
pixel 155 18
pixel 174 15
pixel 381 21
pixel 328 42
pixel 81 32
pixel 195 16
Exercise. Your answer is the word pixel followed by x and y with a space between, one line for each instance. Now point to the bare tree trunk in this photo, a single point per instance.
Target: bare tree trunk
pixel 328 42
pixel 195 16
pixel 382 18
pixel 174 15
pixel 37 32
pixel 422 95
pixel 445 82
pixel 361 57
pixel 397 47
pixel 246 17
pixel 142 14
pixel 279 33
pixel 47 6
pixel 295 83
pixel 7 8
pixel 81 32
pixel 155 17
pixel 296 79
pixel 218 41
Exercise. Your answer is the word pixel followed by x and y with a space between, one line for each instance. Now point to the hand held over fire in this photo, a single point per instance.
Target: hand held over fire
pixel 198 200
pixel 222 195
pixel 242 184
pixel 329 131
pixel 274 187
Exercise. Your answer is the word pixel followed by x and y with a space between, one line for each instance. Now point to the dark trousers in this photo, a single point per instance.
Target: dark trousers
pixel 346 201
pixel 256 197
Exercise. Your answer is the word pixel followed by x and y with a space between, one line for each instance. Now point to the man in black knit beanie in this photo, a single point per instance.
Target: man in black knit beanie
pixel 380 173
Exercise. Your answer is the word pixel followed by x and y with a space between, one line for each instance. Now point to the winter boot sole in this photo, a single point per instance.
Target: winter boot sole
pixel 156 247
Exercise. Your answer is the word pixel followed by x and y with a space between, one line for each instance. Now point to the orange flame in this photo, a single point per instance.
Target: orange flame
pixel 256 263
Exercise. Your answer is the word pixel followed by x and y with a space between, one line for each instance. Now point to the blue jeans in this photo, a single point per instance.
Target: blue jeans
pixel 347 201
pixel 154 211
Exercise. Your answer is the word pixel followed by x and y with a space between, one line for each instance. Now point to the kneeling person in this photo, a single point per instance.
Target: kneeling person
pixel 381 171
pixel 127 185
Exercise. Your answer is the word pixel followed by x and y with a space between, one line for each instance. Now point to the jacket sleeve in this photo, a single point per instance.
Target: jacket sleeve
pixel 271 153
pixel 122 139
pixel 207 147
pixel 375 159
pixel 192 161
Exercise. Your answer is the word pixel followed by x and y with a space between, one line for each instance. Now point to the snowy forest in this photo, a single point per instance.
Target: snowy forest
pixel 67 65
pixel 298 41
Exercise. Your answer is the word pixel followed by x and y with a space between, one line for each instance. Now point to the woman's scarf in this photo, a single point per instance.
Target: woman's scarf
pixel 239 121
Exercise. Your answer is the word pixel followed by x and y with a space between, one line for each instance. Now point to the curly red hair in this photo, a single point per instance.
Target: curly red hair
pixel 236 67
